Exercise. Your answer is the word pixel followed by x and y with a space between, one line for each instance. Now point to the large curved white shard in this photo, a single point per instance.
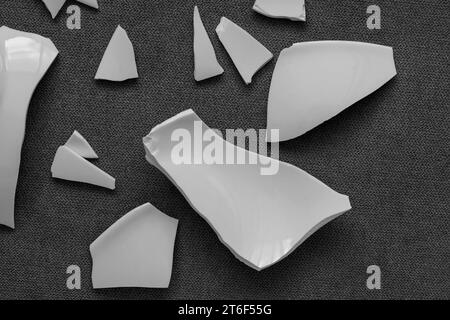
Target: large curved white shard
pixel 206 65
pixel 260 218
pixel 136 251
pixel 69 165
pixel 285 9
pixel 24 59
pixel 80 145
pixel 314 81
pixel 118 62
pixel 247 53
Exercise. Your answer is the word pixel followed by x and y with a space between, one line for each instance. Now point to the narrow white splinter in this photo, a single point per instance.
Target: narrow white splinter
pixel 314 81
pixel 247 53
pixel 69 165
pixel 80 145
pixel 136 251
pixel 206 65
pixel 284 9
pixel 24 59
pixel 54 6
pixel 119 62
pixel 260 218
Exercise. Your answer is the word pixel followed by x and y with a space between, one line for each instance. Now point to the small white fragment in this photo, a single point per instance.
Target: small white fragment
pixel 119 62
pixel 206 65
pixel 247 53
pixel 80 145
pixel 69 165
pixel 285 9
pixel 136 251
pixel 90 3
pixel 54 6
pixel 314 81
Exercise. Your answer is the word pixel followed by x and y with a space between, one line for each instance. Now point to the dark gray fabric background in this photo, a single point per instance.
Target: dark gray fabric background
pixel 389 152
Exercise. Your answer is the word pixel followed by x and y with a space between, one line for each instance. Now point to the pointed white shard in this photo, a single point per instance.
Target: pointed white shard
pixel 206 65
pixel 314 81
pixel 285 9
pixel 80 145
pixel 136 251
pixel 24 59
pixel 54 6
pixel 260 218
pixel 247 53
pixel 90 3
pixel 119 62
pixel 68 165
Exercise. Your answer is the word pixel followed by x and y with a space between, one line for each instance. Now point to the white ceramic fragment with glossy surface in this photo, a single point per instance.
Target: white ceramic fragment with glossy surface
pixel 260 218
pixel 314 81
pixel 90 3
pixel 54 6
pixel 118 62
pixel 206 65
pixel 285 9
pixel 24 59
pixel 80 145
pixel 136 251
pixel 68 165
pixel 247 53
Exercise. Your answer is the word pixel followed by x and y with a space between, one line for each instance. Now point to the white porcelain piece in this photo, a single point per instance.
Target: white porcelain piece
pixel 80 145
pixel 24 59
pixel 314 81
pixel 206 65
pixel 118 62
pixel 54 6
pixel 260 218
pixel 136 251
pixel 68 165
pixel 90 3
pixel 285 9
pixel 247 53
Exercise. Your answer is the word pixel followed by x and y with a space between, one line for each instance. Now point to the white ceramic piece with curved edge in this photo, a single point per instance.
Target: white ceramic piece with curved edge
pixel 80 145
pixel 314 81
pixel 247 53
pixel 284 9
pixel 69 165
pixel 136 251
pixel 260 218
pixel 54 6
pixel 24 59
pixel 118 62
pixel 206 65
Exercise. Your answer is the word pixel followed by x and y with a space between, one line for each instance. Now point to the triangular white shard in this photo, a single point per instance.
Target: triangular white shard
pixel 80 145
pixel 90 3
pixel 247 53
pixel 54 6
pixel 119 62
pixel 260 218
pixel 24 59
pixel 206 65
pixel 314 81
pixel 136 251
pixel 68 165
pixel 284 9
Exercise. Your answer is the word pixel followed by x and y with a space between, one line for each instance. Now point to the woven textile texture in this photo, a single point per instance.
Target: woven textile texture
pixel 388 152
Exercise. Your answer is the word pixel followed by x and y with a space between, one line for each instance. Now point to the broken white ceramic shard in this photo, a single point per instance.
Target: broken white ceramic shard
pixel 285 9
pixel 136 251
pixel 260 218
pixel 119 62
pixel 206 65
pixel 80 145
pixel 90 3
pixel 314 81
pixel 24 59
pixel 247 53
pixel 69 165
pixel 54 6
